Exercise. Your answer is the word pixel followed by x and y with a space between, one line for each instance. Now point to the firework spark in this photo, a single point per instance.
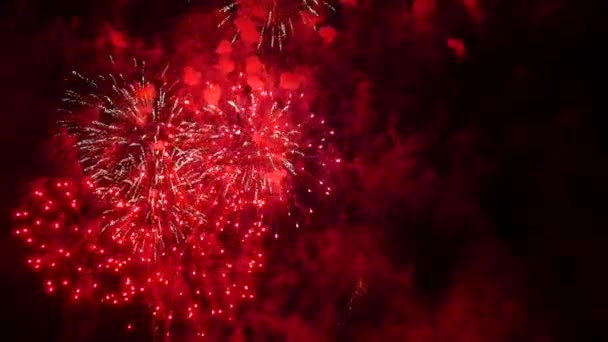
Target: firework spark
pixel 135 143
pixel 276 20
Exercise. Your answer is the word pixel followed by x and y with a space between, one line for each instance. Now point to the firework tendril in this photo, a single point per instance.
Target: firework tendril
pixel 276 20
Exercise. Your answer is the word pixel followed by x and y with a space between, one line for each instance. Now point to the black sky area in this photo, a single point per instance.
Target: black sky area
pixel 525 106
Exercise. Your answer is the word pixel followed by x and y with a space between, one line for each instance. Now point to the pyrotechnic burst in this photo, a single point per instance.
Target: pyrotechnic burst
pixel 136 144
pixel 276 20
pixel 59 222
pixel 265 151
pixel 173 199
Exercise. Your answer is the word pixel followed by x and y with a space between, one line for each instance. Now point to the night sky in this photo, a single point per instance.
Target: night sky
pixel 471 203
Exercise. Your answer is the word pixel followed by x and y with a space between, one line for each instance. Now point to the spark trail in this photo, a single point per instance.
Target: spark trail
pixel 276 20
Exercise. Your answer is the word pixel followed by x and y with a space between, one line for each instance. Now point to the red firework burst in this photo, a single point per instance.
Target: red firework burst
pixel 175 198
pixel 274 20
pixel 136 145
pixel 60 223
pixel 265 151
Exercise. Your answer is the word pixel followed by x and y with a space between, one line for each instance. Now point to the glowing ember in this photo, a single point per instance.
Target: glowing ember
pixel 211 275
pixel 60 223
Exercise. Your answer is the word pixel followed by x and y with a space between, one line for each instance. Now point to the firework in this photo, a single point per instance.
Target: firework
pixel 222 260
pixel 135 144
pixel 265 151
pixel 173 199
pixel 276 20
pixel 59 223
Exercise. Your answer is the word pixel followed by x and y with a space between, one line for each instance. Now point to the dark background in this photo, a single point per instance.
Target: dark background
pixel 510 134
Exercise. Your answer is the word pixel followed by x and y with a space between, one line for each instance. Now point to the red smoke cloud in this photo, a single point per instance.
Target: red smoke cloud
pixel 407 194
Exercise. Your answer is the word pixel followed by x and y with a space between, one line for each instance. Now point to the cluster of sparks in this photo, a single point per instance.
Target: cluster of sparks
pixel 174 199
pixel 276 20
pixel 139 153
pixel 209 276
pixel 260 157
